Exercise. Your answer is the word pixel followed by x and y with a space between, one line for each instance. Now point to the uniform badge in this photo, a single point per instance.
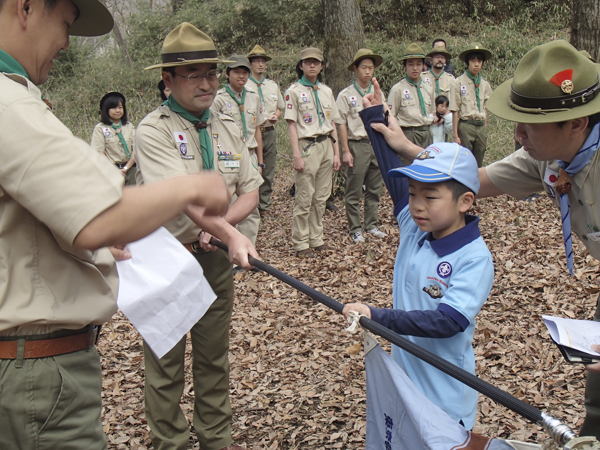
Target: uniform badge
pixel 106 131
pixel 564 80
pixel 180 137
pixel 307 118
pixel 215 136
pixel 253 120
pixel 274 96
pixel 352 99
pixel 550 177
pixel 304 97
pixel 183 149
pixel 406 93
pixel 427 80
pixel 463 90
pixel 287 98
pixel 328 115
pixel 426 154
pixel 444 269
pixel 289 106
pixel 228 105
pixel 433 291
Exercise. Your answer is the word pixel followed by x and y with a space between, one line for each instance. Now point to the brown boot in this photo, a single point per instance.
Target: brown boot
pixel 323 247
pixel 306 253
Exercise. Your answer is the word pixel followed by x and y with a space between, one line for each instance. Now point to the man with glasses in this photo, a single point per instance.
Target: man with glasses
pixel 183 136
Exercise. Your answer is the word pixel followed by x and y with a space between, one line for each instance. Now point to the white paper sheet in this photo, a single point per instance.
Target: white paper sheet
pixel 162 290
pixel 577 334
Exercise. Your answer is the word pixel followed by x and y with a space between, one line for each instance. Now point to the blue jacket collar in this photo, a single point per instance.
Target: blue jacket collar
pixel 456 240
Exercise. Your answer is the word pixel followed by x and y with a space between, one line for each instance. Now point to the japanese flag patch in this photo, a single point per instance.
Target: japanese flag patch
pixel 406 93
pixel 463 90
pixel 106 131
pixel 352 99
pixel 180 137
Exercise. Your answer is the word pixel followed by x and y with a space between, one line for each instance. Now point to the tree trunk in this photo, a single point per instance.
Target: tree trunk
pixel 122 44
pixel 344 36
pixel 585 26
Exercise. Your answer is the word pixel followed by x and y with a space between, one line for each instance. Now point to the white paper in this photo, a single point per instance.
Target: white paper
pixel 162 290
pixel 577 334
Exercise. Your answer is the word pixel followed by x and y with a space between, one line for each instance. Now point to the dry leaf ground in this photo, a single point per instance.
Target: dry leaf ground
pixel 293 383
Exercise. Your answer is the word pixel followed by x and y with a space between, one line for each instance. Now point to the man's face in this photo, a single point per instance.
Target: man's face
pixel 47 34
pixel 259 65
pixel 414 67
pixel 364 70
pixel 196 94
pixel 237 78
pixel 475 65
pixel 545 141
pixel 438 60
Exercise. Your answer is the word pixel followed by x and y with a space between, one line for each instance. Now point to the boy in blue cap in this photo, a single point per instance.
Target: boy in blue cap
pixel 443 272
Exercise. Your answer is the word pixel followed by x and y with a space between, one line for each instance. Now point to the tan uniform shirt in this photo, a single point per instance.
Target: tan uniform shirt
pixel 167 146
pixel 405 105
pixel 519 175
pixel 271 94
pixel 464 100
pixel 52 185
pixel 446 81
pixel 253 112
pixel 105 140
pixel 301 107
pixel 349 104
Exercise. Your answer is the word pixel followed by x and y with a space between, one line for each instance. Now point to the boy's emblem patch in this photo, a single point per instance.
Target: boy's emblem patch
pixel 406 94
pixel 307 118
pixel 433 291
pixel 228 105
pixel 183 149
pixel 304 97
pixel 328 115
pixel 444 269
pixel 352 99
pixel 426 154
pixel 463 90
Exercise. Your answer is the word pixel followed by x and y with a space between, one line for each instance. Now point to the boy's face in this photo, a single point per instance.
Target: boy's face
pixel 414 67
pixel 364 70
pixel 475 65
pixel 433 209
pixel 238 78
pixel 442 109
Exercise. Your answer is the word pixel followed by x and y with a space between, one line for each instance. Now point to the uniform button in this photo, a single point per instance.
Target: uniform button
pixel 580 202
pixel 585 238
pixel 412 267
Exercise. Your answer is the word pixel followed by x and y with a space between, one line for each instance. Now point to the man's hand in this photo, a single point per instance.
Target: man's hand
pixel 123 171
pixel 360 308
pixel 299 164
pixel 204 240
pixel 457 139
pixel 594 367
pixel 348 159
pixel 119 253
pixel 240 248
pixel 336 162
pixel 273 119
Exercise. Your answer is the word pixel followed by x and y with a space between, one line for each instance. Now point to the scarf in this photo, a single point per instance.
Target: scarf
pixel 359 91
pixel 200 125
pixel 240 103
pixel 421 101
pixel 260 92
pixel 8 64
pixel 117 128
pixel 304 82
pixel 477 82
pixel 437 81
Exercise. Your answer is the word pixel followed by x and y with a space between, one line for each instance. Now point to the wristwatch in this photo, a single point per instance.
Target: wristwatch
pixel 261 165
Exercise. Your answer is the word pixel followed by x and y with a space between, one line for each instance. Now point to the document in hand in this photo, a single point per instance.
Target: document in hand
pixel 162 290
pixel 574 338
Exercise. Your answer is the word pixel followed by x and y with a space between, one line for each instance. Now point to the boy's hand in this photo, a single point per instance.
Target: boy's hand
pixel 376 98
pixel 360 308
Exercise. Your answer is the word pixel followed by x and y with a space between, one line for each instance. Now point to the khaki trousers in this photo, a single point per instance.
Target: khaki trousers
pixel 313 187
pixel 365 171
pixel 591 425
pixel 52 403
pixel 422 138
pixel 210 369
pixel 270 161
pixel 249 226
pixel 474 138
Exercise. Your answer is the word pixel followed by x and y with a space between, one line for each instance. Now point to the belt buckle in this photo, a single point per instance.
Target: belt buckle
pixel 196 248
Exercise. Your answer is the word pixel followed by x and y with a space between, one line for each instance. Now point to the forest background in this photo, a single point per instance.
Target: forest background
pixel 294 384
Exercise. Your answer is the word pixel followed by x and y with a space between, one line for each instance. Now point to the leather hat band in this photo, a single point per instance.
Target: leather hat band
pixel 188 56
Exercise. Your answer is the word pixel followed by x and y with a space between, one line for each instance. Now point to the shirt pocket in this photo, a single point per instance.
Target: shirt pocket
pixel 409 102
pixel 229 166
pixel 326 105
pixel 252 113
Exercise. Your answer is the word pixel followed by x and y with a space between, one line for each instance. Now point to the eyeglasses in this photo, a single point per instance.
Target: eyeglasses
pixel 196 77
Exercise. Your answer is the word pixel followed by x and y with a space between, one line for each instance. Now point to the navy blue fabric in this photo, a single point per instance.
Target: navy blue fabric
pixel 433 324
pixel 457 239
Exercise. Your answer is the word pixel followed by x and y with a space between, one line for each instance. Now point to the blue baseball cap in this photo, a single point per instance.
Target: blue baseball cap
pixel 441 162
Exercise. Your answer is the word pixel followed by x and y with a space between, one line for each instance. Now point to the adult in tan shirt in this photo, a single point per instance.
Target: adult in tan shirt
pixel 184 136
pixel 61 203
pixel 440 80
pixel 114 135
pixel 559 153
pixel 412 100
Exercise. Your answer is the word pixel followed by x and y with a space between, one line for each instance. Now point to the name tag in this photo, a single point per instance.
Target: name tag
pixel 594 236
pixel 232 164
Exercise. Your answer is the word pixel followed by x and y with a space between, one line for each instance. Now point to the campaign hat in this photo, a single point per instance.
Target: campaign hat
pixel 258 52
pixel 365 53
pixel 475 47
pixel 94 19
pixel 439 50
pixel 413 51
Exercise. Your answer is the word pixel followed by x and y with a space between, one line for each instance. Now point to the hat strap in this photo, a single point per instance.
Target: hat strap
pixel 542 105
pixel 188 56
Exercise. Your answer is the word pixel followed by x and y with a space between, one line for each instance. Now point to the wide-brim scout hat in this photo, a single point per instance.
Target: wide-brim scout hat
pixel 112 94
pixel 442 161
pixel 258 52
pixel 439 50
pixel 311 52
pixel 186 45
pixel 239 61
pixel 587 55
pixel 414 51
pixel 475 47
pixel 94 19
pixel 552 83
pixel 365 53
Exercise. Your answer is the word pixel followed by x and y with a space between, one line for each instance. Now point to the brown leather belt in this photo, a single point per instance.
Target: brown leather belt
pixel 421 128
pixel 263 129
pixel 194 247
pixel 45 348
pixel 477 123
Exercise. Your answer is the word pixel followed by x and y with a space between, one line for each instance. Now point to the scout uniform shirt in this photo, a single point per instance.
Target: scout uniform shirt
pixel 445 82
pixel 167 146
pixel 519 175
pixel 405 106
pixel 349 104
pixel 105 140
pixel 464 99
pixel 52 185
pixel 271 96
pixel 253 112
pixel 301 107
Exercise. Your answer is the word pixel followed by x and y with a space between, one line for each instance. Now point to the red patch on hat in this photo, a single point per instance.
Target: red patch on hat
pixel 558 78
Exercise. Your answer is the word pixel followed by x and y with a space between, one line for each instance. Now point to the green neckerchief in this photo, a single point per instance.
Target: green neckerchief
pixel 260 92
pixel 8 64
pixel 240 103
pixel 200 124
pixel 477 82
pixel 437 81
pixel 120 134
pixel 358 88
pixel 421 101
pixel 304 82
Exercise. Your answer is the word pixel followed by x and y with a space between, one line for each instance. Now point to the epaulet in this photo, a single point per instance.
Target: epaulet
pixel 251 90
pixel 222 117
pixel 268 80
pixel 154 117
pixel 346 89
pixel 294 85
pixel 222 91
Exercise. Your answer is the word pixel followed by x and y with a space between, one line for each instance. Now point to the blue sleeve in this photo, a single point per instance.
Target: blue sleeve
pixel 386 157
pixel 443 322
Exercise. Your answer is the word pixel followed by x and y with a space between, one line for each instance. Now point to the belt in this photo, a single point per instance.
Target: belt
pixel 122 165
pixel 319 138
pixel 421 128
pixel 194 247
pixel 361 141
pixel 45 348
pixel 265 129
pixel 477 123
